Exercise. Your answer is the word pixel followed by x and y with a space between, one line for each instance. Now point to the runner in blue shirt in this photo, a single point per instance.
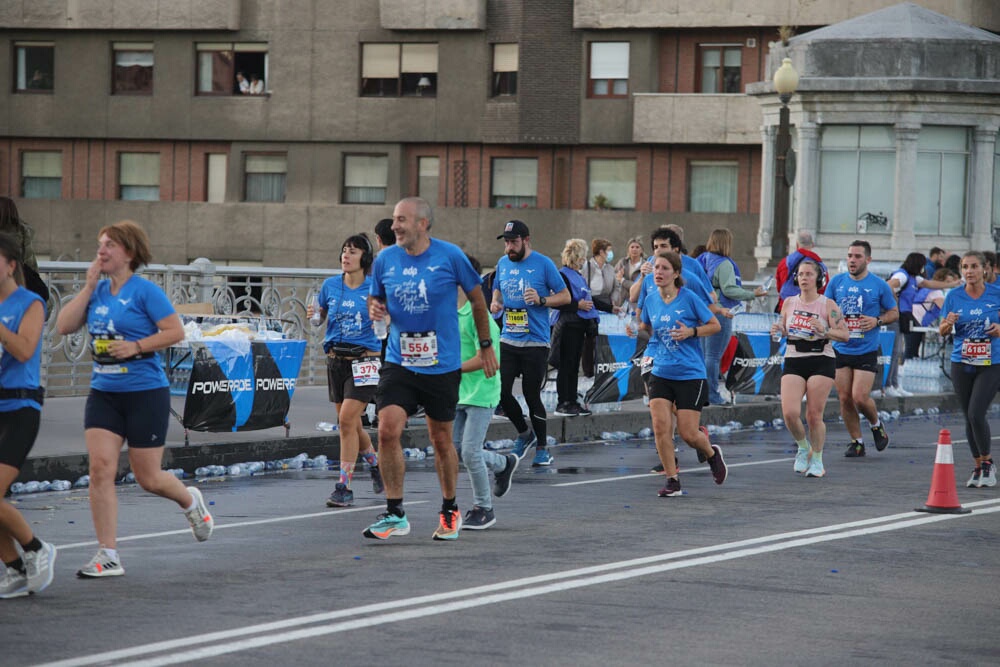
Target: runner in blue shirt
pixel 22 318
pixel 415 281
pixel 867 303
pixel 129 319
pixel 527 284
pixel 972 316
pixel 352 361
pixel 675 318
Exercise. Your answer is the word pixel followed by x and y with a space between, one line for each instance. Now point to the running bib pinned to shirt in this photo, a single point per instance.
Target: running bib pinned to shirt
pixel 516 320
pixel 366 371
pixel 977 351
pixel 854 325
pixel 418 349
pixel 802 325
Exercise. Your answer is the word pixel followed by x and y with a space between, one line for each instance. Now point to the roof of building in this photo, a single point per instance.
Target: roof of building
pixel 905 21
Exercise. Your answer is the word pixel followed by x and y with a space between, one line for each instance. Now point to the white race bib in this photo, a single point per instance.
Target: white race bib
pixel 366 371
pixel 418 349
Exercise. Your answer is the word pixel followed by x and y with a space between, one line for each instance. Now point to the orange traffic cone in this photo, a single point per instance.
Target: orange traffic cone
pixel 943 498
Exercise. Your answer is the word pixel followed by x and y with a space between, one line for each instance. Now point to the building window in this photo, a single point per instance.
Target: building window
pixel 721 66
pixel 428 178
pixel 226 68
pixel 265 178
pixel 133 70
pixel 215 177
pixel 515 183
pixel 611 184
pixel 139 176
pixel 712 187
pixel 608 69
pixel 942 177
pixel 366 179
pixel 505 62
pixel 857 178
pixel 391 70
pixel 34 67
pixel 41 174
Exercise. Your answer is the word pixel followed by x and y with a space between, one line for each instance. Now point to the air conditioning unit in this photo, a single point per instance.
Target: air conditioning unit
pixel 751 42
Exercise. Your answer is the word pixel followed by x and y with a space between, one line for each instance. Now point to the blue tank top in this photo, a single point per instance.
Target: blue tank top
pixel 15 374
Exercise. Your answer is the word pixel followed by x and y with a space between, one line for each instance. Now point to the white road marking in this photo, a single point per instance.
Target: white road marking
pixel 441 603
pixel 241 524
pixel 657 474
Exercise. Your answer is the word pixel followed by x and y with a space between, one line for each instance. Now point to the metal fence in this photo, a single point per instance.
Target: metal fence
pixel 279 294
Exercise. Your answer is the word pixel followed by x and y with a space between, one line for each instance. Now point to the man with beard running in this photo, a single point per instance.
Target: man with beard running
pixel 867 303
pixel 527 285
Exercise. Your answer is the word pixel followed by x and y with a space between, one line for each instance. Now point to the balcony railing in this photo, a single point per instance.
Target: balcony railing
pixel 280 294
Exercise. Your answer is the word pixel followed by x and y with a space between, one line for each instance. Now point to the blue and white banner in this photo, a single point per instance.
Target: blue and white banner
pixel 616 369
pixel 756 366
pixel 240 388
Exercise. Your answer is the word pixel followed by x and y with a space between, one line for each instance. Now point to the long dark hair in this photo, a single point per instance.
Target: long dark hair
pixel 10 248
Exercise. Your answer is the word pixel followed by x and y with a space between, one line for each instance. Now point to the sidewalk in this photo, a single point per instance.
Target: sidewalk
pixel 60 451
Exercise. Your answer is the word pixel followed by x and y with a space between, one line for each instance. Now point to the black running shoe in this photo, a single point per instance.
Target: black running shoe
pixel 881 437
pixel 718 466
pixel 378 486
pixel 505 476
pixel 855 450
pixel 657 468
pixel 673 488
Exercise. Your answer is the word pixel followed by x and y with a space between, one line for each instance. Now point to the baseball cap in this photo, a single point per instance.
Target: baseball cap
pixel 514 229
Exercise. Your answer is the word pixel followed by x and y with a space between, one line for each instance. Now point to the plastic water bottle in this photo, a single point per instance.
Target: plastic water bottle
pixel 768 284
pixel 44 486
pixel 644 432
pixel 81 483
pixel 380 329
pixel 60 485
pixel 325 426
pixel 738 308
pixel 550 441
pixel 17 487
pixel 235 470
pixel 317 317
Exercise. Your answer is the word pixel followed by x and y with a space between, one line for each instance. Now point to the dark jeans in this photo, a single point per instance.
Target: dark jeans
pixel 570 349
pixel 530 363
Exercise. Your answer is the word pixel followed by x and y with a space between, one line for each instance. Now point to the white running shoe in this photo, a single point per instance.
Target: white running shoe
pixel 101 565
pixel 38 567
pixel 13 584
pixel 893 392
pixel 801 460
pixel 201 521
pixel 816 468
pixel 989 476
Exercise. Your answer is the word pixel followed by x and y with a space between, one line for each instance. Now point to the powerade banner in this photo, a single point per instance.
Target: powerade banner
pixel 616 370
pixel 756 366
pixel 236 387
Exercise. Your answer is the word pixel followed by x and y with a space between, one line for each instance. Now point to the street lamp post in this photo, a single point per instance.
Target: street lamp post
pixel 786 79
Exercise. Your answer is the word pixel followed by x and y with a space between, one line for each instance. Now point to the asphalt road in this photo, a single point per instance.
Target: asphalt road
pixel 586 566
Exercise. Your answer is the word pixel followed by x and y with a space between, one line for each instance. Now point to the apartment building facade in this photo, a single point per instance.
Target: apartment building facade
pixel 267 131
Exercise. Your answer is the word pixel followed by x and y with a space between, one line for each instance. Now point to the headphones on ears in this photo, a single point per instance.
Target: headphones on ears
pixel 820 275
pixel 367 252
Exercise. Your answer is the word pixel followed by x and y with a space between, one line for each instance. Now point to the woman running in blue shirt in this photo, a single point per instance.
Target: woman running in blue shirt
pixel 971 315
pixel 128 318
pixel 27 561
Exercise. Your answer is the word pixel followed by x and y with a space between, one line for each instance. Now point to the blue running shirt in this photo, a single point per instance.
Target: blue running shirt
pixel 971 344
pixel 871 296
pixel 347 313
pixel 676 360
pixel 13 373
pixel 131 314
pixel 524 324
pixel 420 295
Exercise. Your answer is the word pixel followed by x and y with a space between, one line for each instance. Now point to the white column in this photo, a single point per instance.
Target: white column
pixel 904 201
pixel 980 207
pixel 763 250
pixel 805 215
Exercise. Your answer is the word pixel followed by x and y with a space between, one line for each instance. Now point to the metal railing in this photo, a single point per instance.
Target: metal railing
pixel 280 294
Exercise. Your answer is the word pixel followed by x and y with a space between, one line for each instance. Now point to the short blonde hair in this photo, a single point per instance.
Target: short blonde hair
pixel 574 254
pixel 130 236
pixel 720 241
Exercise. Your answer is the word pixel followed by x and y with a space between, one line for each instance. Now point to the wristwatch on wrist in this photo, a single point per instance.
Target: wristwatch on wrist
pixel 541 301
pixel 878 321
pixel 485 343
